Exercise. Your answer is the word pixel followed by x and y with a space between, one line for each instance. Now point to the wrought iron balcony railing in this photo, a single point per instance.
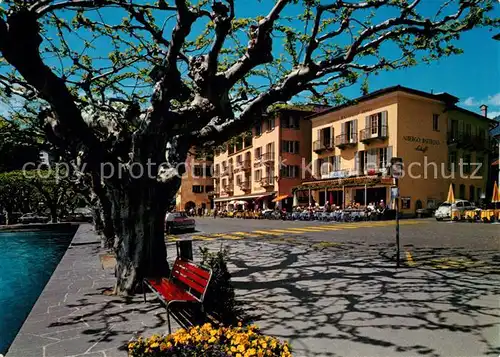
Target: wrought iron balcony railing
pixel 373 133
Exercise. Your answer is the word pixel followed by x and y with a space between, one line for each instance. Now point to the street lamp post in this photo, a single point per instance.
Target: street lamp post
pixel 396 172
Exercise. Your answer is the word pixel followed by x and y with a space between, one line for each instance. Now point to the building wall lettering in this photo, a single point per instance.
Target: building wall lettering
pixel 419 140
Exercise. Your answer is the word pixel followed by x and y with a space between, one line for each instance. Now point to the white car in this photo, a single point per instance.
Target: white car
pixel 178 221
pixel 33 218
pixel 444 210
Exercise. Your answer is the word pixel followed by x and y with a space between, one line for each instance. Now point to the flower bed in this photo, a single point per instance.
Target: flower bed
pixel 209 341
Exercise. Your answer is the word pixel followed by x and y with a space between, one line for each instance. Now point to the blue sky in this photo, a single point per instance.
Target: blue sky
pixel 474 76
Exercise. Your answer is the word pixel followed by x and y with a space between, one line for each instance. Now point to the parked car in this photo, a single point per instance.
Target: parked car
pixel 444 210
pixel 77 217
pixel 179 221
pixel 84 212
pixel 33 218
pixel 426 212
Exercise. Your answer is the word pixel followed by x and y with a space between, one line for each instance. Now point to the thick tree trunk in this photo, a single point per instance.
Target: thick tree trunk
pixel 103 221
pixel 97 219
pixel 7 213
pixel 102 214
pixel 108 231
pixel 53 214
pixel 139 208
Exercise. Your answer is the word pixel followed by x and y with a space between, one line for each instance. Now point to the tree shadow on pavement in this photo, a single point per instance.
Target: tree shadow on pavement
pixel 354 302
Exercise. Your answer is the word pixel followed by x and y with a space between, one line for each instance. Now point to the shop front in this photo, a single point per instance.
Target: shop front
pixel 344 192
pixel 246 202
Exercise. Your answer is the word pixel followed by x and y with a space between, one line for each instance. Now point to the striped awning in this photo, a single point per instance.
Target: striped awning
pixel 256 197
pixel 279 198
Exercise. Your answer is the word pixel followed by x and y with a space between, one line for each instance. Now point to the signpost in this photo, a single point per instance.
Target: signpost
pixel 396 173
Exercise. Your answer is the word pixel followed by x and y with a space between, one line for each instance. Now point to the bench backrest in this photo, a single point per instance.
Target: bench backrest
pixel 192 277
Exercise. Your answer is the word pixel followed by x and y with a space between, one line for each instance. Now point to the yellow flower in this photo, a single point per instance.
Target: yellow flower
pixel 131 345
pixel 212 340
pixel 263 343
pixel 155 344
pixel 251 352
pixel 273 344
pixel 233 349
pixel 241 348
pixel 163 346
pixel 260 353
pixel 239 355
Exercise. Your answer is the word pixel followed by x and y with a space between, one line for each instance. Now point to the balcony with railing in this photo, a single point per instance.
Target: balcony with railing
pixel 457 138
pixel 370 133
pixel 345 140
pixel 257 161
pixel 229 187
pixel 322 145
pixel 226 171
pixel 267 158
pixel 245 185
pixel 267 181
pixel 242 166
pixel 246 165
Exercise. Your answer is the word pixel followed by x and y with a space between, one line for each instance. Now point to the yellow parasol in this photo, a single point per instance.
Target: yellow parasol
pixel 496 196
pixel 451 195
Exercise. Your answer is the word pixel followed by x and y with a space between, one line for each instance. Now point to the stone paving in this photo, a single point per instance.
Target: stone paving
pixel 328 301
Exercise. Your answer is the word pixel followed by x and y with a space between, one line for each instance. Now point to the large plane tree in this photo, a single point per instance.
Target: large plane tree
pixel 124 85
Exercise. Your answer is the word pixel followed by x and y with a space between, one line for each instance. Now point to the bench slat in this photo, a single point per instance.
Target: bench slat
pixel 169 291
pixel 183 278
pixel 203 273
pixel 186 271
pixel 191 275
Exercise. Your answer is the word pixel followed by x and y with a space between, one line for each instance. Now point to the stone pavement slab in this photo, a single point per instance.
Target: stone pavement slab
pixel 326 302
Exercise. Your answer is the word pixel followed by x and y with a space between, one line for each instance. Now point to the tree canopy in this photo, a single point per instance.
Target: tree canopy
pixel 38 191
pixel 115 57
pixel 19 144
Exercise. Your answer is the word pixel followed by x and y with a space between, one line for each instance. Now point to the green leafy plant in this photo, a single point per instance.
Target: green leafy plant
pixel 220 298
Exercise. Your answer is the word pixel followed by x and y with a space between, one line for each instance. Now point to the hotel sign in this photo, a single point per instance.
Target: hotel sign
pixel 419 140
pixel 336 175
pixel 422 142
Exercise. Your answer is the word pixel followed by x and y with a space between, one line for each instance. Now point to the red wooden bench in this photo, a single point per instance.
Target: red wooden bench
pixel 188 283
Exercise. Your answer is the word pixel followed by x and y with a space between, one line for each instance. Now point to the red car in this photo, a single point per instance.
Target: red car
pixel 179 221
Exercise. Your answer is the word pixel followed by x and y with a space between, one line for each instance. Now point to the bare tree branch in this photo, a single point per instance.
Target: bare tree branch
pixel 19 42
pixel 44 7
pixel 222 20
pixel 259 48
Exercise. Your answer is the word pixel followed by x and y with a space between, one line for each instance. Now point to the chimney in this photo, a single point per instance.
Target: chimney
pixel 484 110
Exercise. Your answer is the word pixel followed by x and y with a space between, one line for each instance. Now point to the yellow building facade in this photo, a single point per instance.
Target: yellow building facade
pixel 440 144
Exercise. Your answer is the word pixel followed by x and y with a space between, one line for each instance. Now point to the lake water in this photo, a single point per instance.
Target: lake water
pixel 27 260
